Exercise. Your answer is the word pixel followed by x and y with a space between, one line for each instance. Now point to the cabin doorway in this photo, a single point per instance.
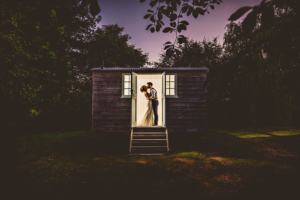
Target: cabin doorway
pixel 139 102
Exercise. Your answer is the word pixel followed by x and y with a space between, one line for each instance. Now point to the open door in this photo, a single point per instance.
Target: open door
pixel 133 99
pixel 163 96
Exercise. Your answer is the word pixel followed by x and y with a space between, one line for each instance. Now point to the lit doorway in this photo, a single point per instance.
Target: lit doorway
pixel 139 102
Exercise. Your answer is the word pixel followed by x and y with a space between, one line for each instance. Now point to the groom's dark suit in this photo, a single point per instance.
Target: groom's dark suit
pixel 153 93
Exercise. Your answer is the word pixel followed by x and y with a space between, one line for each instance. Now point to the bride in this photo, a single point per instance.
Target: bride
pixel 147 120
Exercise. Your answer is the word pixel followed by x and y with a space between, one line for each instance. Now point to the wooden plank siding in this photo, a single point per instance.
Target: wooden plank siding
pixel 111 113
pixel 187 113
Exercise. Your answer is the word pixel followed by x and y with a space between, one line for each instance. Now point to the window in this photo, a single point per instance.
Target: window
pixel 126 86
pixel 171 85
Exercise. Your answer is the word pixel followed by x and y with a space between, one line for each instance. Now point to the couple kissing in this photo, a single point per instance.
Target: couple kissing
pixel 152 104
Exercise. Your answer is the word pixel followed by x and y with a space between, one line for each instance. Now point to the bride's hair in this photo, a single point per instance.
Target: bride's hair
pixel 144 88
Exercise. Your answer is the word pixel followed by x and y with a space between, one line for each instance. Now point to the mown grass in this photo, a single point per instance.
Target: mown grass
pixel 216 164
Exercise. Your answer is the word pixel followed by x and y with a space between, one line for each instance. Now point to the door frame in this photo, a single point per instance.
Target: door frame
pixel 133 96
pixel 134 88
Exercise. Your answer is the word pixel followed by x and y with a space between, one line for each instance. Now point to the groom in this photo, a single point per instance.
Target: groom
pixel 153 97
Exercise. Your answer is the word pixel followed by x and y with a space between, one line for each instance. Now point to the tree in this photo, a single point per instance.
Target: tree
pixel 175 10
pixel 254 87
pixel 36 45
pixel 289 10
pixel 110 45
pixel 207 53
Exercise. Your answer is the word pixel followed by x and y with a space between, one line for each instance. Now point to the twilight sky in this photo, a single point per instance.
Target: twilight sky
pixel 129 14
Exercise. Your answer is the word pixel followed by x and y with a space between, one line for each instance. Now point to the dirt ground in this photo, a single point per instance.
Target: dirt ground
pixel 215 164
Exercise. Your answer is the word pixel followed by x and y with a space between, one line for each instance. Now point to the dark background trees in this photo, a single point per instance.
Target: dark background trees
pixel 47 49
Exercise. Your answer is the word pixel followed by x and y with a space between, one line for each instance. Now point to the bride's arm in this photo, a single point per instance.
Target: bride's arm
pixel 146 95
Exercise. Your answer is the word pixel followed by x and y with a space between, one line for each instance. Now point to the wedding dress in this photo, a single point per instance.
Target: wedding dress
pixel 147 120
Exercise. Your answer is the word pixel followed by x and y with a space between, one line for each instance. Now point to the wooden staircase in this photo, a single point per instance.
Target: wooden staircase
pixel 149 141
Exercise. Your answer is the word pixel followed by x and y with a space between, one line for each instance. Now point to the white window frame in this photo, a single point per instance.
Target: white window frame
pixel 175 84
pixel 123 83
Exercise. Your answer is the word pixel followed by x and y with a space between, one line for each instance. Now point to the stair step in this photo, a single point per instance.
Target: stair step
pixel 148 147
pixel 157 129
pixel 134 133
pixel 150 139
pixel 149 143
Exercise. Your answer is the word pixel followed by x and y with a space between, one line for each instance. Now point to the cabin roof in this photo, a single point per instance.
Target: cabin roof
pixel 153 69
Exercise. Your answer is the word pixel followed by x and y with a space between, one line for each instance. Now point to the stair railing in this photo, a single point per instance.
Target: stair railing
pixel 131 137
pixel 167 139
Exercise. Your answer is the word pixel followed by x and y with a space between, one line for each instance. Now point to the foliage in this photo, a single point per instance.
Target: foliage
pixel 175 10
pixel 35 67
pixel 207 53
pixel 110 45
pixel 267 10
pixel 47 50
pixel 254 87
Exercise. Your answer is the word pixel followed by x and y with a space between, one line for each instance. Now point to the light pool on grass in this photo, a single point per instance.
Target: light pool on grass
pixel 248 134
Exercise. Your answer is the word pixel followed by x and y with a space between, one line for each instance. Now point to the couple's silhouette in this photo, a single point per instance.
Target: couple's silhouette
pixel 152 103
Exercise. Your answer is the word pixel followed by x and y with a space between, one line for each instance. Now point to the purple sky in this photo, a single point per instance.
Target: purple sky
pixel 129 14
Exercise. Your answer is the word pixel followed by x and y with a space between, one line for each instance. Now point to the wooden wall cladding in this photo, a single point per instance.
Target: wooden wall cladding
pixel 188 113
pixel 111 113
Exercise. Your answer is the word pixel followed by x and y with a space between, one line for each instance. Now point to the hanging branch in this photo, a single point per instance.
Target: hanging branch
pixel 168 8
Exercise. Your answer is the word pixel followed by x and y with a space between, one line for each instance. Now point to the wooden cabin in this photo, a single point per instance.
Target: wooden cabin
pixel 118 104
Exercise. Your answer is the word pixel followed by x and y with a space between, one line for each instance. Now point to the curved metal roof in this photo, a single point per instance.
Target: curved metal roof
pixel 152 69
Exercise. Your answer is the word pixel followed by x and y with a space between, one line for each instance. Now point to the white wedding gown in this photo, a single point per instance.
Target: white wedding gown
pixel 147 120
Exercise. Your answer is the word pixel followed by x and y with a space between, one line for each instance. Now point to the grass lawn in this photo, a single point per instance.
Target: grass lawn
pixel 216 164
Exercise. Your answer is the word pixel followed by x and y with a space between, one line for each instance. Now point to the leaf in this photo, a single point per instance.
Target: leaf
pixel 174 6
pixel 153 3
pixel 149 26
pixel 212 7
pixel 161 23
pixel 240 12
pixel 249 22
pixel 169 52
pixel 159 16
pixel 150 11
pixel 147 16
pixel 168 43
pixel 173 17
pixel 195 13
pixel 184 9
pixel 167 47
pixel 142 1
pixel 190 11
pixel 152 29
pixel 167 29
pixel 173 24
pixel 200 11
pixel 158 26
pixel 181 27
pixel 184 22
pixel 152 18
pixel 182 40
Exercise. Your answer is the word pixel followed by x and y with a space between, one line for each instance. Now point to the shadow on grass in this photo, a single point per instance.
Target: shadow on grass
pixel 216 164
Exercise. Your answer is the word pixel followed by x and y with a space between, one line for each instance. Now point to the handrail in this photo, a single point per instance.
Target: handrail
pixel 131 137
pixel 167 139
